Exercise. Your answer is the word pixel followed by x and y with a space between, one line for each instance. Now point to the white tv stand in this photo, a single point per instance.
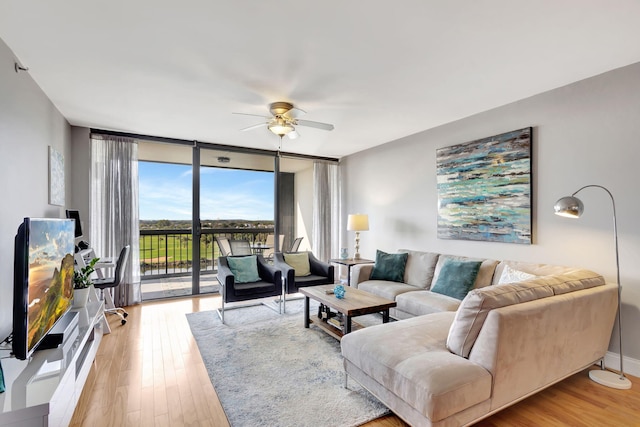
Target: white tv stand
pixel 44 390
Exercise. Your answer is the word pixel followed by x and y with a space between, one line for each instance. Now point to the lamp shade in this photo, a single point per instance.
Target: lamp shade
pixel 358 222
pixel 280 128
pixel 570 207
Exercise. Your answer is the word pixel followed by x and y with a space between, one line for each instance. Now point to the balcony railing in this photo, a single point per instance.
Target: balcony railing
pixel 166 253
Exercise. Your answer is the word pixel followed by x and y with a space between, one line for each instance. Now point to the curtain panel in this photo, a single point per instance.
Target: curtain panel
pixel 114 208
pixel 326 210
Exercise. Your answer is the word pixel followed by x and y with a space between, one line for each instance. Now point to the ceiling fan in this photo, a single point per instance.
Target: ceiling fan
pixel 283 120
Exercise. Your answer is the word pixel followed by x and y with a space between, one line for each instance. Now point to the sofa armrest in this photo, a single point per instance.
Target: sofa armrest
pixel 360 273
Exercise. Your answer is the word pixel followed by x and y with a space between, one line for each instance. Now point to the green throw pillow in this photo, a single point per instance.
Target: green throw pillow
pixel 389 266
pixel 244 268
pixel 456 278
pixel 299 262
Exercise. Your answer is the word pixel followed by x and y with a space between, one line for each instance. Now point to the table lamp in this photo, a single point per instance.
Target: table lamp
pixel 357 223
pixel 572 207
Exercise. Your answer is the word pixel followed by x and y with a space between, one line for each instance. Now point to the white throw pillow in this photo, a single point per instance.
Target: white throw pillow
pixel 510 275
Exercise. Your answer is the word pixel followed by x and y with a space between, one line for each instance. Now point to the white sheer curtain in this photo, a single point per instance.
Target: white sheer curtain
pixel 114 208
pixel 326 210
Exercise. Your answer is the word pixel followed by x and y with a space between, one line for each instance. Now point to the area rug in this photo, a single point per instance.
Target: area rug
pixel 268 370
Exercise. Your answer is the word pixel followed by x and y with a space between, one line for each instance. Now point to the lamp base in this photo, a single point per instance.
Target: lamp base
pixel 609 379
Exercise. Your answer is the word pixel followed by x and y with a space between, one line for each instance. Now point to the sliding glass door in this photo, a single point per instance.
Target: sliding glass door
pixel 194 193
pixel 234 199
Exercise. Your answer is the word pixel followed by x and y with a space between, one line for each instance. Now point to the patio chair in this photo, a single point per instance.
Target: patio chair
pixel 240 247
pixel 254 278
pixel 224 245
pixel 318 273
pixel 296 244
pixel 270 246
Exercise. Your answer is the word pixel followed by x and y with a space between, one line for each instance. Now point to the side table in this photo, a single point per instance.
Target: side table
pixel 350 262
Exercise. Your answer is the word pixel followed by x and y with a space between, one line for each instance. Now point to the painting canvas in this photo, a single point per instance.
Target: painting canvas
pixel 56 177
pixel 484 189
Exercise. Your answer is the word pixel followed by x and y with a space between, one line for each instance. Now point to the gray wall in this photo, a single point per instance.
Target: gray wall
pixel 584 133
pixel 29 124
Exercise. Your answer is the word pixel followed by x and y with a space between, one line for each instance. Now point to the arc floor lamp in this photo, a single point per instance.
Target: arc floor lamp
pixel 572 207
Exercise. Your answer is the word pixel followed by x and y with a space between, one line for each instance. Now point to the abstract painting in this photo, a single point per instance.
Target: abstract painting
pixel 484 189
pixel 56 177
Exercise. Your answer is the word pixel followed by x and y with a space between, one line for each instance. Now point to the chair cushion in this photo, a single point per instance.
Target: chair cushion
pixel 389 266
pixel 456 278
pixel 299 262
pixel 244 268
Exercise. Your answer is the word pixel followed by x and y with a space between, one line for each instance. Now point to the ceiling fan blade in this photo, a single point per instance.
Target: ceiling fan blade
pixel 259 125
pixel 253 115
pixel 294 113
pixel 318 125
pixel 293 134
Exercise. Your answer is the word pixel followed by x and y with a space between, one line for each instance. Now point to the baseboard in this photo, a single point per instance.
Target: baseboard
pixel 631 366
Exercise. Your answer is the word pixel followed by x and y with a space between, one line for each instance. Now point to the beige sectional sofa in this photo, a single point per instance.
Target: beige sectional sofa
pixel 452 363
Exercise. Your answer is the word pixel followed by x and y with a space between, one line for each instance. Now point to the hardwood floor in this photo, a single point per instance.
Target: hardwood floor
pixel 149 373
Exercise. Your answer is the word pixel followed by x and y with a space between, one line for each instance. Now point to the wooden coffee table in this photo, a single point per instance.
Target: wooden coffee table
pixel 355 303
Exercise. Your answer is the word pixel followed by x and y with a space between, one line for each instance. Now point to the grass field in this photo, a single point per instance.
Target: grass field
pixel 174 248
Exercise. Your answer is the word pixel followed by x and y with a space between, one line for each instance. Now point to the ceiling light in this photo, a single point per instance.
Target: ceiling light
pixel 280 127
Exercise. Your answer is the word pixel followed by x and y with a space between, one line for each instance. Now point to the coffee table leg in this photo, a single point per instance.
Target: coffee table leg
pixel 347 325
pixel 306 312
pixel 385 316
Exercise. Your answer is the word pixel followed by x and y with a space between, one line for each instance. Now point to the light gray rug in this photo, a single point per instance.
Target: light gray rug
pixel 268 370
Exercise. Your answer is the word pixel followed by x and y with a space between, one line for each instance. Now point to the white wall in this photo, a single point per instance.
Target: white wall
pixel 584 133
pixel 29 124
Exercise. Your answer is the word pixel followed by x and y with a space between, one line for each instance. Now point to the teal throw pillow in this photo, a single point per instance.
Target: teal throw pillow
pixel 244 268
pixel 456 278
pixel 389 266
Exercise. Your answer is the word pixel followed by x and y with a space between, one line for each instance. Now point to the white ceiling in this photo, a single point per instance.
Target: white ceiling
pixel 377 70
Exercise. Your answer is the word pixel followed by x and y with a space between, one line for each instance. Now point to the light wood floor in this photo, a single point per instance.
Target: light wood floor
pixel 149 373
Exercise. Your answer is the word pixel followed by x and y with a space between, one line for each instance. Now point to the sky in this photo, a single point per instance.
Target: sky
pixel 165 193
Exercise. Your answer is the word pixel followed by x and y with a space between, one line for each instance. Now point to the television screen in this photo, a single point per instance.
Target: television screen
pixel 43 280
pixel 74 214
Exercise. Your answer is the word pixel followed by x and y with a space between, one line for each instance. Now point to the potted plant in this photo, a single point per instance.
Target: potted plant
pixel 82 283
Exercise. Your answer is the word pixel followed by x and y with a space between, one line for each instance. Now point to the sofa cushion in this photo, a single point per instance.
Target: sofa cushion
pixel 419 268
pixel 389 266
pixel 478 303
pixel 485 274
pixel 299 262
pixel 244 268
pixel 422 302
pixel 456 278
pixel 410 359
pixel 385 289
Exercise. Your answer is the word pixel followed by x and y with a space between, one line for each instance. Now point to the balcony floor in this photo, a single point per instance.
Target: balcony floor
pixel 172 287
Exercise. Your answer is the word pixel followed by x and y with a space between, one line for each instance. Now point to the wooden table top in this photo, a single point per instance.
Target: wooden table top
pixel 355 302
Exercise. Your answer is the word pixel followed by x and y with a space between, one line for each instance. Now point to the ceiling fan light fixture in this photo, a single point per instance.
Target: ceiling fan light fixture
pixel 280 127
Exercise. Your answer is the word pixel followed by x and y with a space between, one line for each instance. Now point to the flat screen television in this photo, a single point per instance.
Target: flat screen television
pixel 43 280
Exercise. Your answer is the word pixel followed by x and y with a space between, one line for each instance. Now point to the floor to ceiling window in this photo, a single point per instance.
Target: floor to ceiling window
pixel 235 198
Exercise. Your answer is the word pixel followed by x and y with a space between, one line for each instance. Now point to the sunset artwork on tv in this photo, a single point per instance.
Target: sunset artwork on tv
pixel 44 278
